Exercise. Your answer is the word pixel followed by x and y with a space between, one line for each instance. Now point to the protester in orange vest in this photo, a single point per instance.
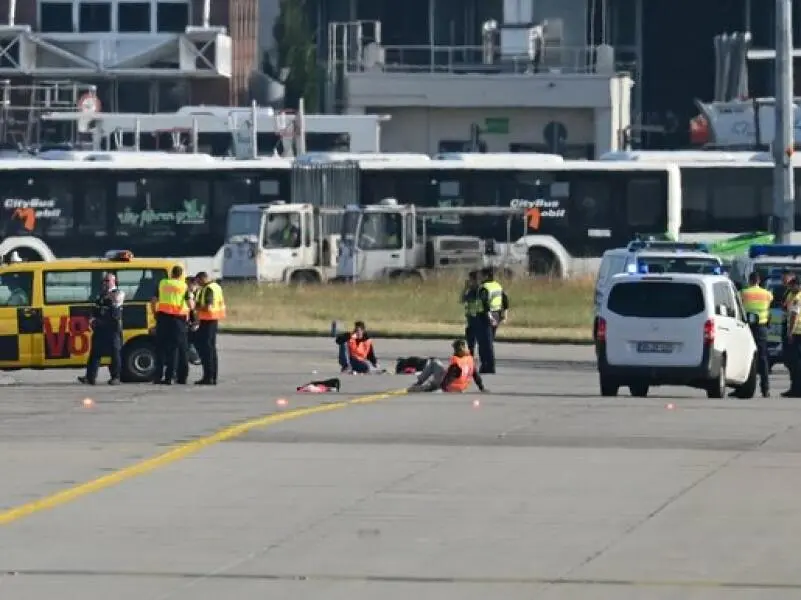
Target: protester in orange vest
pixel 356 351
pixel 456 377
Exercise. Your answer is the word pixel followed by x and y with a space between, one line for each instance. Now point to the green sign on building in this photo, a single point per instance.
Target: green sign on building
pixel 496 125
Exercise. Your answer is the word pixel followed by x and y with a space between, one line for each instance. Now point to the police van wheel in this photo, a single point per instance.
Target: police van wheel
pixel 139 362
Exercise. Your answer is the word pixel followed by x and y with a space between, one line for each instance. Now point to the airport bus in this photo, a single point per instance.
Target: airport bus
pixel 69 204
pixel 577 209
pixel 723 194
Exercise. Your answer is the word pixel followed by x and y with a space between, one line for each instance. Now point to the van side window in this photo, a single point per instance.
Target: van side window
pixel 139 285
pixel 72 287
pixel 16 289
pixel 723 297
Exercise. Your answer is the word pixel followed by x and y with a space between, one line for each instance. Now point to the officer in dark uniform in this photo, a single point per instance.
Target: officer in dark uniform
pixel 172 307
pixel 491 295
pixel 106 324
pixel 472 307
pixel 210 311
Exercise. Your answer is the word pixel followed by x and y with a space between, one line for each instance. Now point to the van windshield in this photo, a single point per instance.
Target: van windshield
pixel 656 299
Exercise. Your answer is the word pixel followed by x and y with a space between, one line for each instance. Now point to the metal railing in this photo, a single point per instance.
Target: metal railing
pixel 469 59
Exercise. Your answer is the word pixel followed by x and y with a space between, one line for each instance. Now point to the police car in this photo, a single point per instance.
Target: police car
pixel 765 260
pixel 654 256
pixel 674 329
pixel 45 309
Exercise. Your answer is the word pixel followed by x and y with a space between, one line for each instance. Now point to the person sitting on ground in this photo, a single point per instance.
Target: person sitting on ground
pixel 356 351
pixel 455 377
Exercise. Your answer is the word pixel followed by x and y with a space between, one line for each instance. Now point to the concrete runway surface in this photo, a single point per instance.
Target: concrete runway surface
pixel 544 490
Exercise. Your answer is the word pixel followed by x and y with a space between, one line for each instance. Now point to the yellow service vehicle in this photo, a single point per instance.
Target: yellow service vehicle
pixel 45 310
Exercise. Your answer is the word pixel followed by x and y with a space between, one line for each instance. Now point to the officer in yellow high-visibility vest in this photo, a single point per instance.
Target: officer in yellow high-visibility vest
pixel 756 303
pixel 172 307
pixel 793 349
pixel 493 304
pixel 210 311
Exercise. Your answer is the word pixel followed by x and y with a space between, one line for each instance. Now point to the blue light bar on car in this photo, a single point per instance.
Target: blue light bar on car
pixel 774 250
pixel 668 246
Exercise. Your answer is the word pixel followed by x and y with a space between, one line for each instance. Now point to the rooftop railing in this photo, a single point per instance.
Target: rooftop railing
pixel 473 59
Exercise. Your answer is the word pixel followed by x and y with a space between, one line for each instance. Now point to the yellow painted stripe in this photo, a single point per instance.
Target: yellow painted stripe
pixel 177 453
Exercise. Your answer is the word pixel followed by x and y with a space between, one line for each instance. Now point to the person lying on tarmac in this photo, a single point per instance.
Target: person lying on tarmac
pixel 356 351
pixel 455 377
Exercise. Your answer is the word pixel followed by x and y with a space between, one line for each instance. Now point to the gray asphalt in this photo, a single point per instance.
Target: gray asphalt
pixel 543 490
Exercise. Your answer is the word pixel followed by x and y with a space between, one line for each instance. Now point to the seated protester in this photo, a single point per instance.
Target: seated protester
pixel 455 378
pixel 356 352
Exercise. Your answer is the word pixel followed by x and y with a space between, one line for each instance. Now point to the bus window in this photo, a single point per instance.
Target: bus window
pixel 269 190
pixel 735 203
pixel 227 191
pixel 41 205
pixel 93 214
pixel 646 199
pixel 695 201
pixel 448 191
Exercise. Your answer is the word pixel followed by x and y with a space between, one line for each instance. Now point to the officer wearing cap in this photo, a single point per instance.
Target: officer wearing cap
pixel 172 307
pixel 210 311
pixel 756 303
pixel 106 325
pixel 493 306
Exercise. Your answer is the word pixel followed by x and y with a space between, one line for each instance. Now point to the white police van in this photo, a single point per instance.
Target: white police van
pixel 674 329
pixel 654 256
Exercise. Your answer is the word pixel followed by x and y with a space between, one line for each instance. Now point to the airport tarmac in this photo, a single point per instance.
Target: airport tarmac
pixel 538 489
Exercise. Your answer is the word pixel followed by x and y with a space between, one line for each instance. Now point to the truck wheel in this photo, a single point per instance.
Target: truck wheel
pixel 139 361
pixel 304 277
pixel 542 262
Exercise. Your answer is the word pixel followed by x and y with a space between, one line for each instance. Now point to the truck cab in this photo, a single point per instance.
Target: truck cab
pixel 277 242
pixel 388 240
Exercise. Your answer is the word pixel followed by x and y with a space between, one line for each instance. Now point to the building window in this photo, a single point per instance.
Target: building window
pixel 172 17
pixel 55 17
pixel 133 17
pixel 95 17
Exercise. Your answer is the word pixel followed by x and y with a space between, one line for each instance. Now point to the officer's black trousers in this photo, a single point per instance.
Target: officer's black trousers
pixel 470 334
pixel 486 344
pixel 760 333
pixel 206 345
pixel 171 340
pixel 104 343
pixel 793 355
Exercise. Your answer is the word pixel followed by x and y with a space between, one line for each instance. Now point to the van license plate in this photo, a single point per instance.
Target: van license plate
pixel 654 347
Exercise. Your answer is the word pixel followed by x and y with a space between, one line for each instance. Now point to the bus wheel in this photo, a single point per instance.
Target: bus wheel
pixel 542 262
pixel 139 361
pixel 27 254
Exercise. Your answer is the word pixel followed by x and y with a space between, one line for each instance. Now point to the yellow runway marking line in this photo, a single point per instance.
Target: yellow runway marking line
pixel 177 453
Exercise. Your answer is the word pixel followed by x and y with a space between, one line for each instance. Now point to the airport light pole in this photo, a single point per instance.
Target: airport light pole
pixel 783 222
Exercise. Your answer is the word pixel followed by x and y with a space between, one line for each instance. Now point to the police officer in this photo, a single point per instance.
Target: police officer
pixel 106 324
pixel 472 307
pixel 793 349
pixel 490 295
pixel 171 308
pixel 787 294
pixel 210 311
pixel 191 331
pixel 756 303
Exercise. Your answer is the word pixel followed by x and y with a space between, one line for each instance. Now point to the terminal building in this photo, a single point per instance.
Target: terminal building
pixel 575 77
pixel 608 69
